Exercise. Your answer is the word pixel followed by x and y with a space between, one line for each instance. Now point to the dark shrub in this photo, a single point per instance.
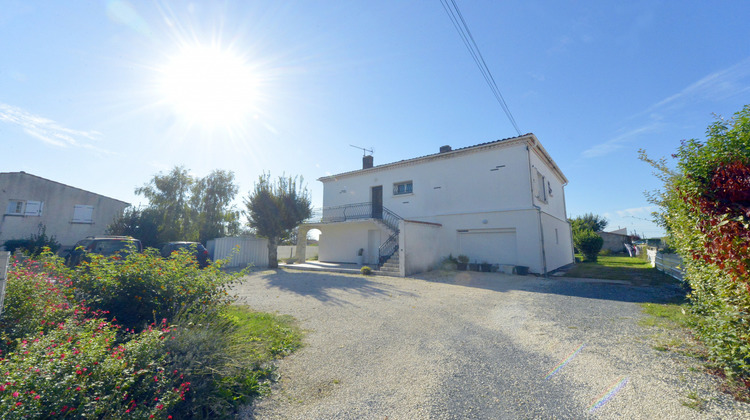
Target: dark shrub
pixel 589 243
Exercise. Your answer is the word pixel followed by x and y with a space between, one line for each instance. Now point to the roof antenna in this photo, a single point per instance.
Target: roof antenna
pixel 364 151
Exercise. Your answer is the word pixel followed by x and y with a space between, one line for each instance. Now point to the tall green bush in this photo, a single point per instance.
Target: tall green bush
pixel 705 209
pixel 588 243
pixel 143 287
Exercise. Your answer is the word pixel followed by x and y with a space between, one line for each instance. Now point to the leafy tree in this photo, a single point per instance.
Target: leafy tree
pixel 588 242
pixel 274 209
pixel 211 203
pixel 590 221
pixel 169 198
pixel 183 208
pixel 138 223
pixel 705 209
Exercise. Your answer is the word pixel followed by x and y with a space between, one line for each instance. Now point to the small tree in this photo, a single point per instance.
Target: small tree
pixel 589 221
pixel 274 209
pixel 588 243
pixel 169 197
pixel 138 223
pixel 211 204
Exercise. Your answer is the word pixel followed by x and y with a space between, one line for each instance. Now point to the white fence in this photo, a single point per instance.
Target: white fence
pixel 290 251
pixel 670 264
pixel 244 251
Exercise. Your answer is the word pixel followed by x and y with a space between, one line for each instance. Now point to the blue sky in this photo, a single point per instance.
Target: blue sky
pixel 101 95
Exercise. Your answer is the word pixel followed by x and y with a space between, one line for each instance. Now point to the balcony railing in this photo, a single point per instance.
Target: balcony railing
pixel 356 211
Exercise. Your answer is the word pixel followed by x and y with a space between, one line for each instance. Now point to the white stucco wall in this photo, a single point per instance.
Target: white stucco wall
pixel 555 200
pixel 557 242
pixel 490 194
pixel 417 244
pixel 57 211
pixel 493 179
pixel 340 242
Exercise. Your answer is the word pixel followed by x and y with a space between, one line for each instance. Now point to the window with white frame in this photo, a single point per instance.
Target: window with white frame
pixel 402 188
pixel 15 207
pixel 24 208
pixel 83 214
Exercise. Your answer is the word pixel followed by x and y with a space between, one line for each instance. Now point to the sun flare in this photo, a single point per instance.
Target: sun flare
pixel 209 86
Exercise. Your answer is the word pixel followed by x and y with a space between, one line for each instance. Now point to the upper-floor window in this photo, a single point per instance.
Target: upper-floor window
pixel 15 207
pixel 83 214
pixel 24 208
pixel 541 187
pixel 402 188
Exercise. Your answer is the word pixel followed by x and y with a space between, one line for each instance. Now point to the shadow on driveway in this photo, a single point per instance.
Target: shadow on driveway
pixel 323 286
pixel 621 291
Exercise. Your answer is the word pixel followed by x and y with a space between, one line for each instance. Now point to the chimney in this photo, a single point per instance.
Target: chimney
pixel 367 162
pixel 444 149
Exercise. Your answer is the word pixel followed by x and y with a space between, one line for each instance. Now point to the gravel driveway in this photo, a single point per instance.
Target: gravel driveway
pixel 475 345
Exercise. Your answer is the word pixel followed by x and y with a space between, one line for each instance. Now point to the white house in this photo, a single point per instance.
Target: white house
pixel 66 212
pixel 500 202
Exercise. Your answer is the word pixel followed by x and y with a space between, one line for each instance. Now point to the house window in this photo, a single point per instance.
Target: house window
pixel 541 190
pixel 83 214
pixel 15 207
pixel 33 208
pixel 24 208
pixel 402 188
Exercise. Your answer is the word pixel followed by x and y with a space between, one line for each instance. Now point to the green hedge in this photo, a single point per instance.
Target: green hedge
pixel 705 208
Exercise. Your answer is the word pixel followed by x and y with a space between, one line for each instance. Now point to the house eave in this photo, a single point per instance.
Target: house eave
pixel 529 139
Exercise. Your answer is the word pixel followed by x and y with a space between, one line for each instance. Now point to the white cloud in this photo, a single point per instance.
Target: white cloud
pixel 636 211
pixel 717 86
pixel 721 85
pixel 618 142
pixel 46 130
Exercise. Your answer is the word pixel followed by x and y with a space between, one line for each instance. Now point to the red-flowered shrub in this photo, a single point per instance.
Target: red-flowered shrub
pixel 59 359
pixel 706 211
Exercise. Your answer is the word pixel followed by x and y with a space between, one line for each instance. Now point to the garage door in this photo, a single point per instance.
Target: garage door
pixel 495 246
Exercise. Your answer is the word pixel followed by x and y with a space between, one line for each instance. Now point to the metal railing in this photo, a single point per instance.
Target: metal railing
pixel 356 211
pixel 389 247
pixel 360 211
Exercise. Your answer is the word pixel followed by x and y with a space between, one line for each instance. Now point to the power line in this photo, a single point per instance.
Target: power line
pixel 451 8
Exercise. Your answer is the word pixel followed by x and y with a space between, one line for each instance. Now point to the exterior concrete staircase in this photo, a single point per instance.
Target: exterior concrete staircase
pixel 391 266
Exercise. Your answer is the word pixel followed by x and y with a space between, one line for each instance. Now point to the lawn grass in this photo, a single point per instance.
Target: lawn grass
pixel 263 336
pixel 615 267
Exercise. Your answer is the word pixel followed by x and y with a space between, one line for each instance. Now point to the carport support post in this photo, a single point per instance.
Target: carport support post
pixel 302 243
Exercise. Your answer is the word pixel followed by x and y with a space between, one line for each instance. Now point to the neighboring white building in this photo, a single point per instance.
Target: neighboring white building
pixel 501 202
pixel 615 241
pixel 68 213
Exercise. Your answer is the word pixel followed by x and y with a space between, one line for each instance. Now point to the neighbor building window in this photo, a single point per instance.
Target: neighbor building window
pixel 15 207
pixel 402 188
pixel 33 208
pixel 24 208
pixel 83 214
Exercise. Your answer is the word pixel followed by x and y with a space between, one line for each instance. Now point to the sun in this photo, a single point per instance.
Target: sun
pixel 209 86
